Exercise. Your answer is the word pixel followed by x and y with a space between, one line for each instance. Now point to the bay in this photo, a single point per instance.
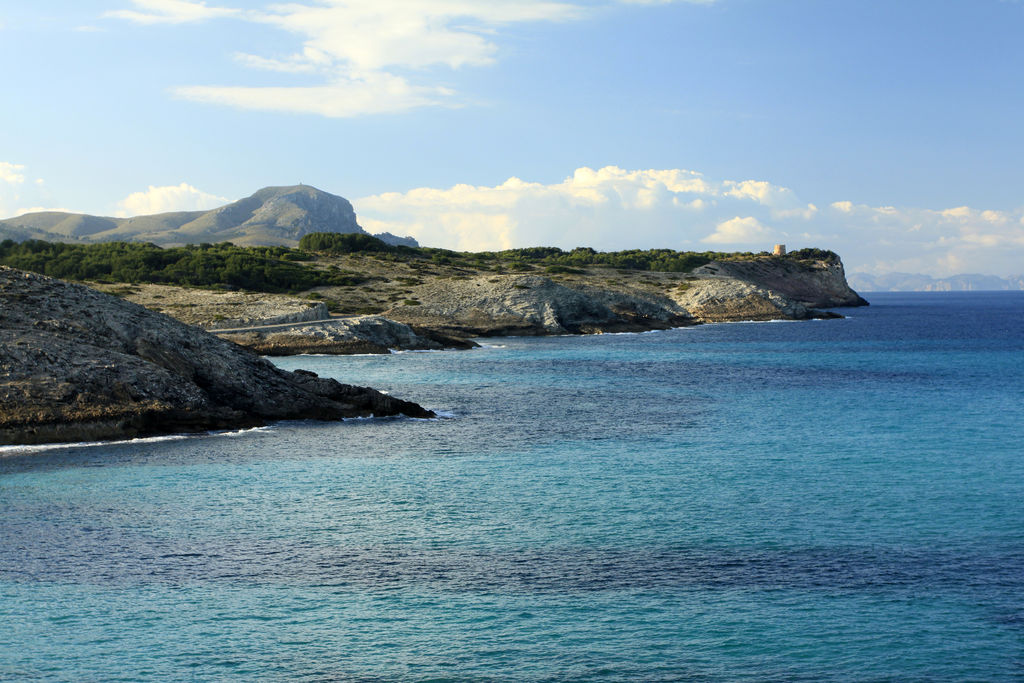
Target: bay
pixel 822 500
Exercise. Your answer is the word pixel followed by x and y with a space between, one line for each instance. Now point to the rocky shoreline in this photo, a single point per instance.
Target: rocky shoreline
pixel 445 309
pixel 77 364
pixel 364 334
pixel 768 288
pixel 80 365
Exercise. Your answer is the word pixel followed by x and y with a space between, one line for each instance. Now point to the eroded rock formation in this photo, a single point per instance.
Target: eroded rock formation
pixel 77 364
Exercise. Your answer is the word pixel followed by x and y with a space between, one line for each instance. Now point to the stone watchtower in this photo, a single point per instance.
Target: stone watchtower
pixel 779 250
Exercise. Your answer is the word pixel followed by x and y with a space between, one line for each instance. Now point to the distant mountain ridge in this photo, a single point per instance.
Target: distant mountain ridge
pixel 914 282
pixel 270 216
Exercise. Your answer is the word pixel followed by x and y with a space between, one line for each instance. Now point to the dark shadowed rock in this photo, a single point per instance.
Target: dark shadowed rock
pixel 77 364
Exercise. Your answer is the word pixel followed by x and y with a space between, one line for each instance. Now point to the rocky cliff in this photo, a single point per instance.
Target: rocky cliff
pixel 817 283
pixel 431 305
pixel 591 302
pixel 76 364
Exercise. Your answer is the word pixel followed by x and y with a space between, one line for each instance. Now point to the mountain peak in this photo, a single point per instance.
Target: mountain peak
pixel 282 213
pixel 274 215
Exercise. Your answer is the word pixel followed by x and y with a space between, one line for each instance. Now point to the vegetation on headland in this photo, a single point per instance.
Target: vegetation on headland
pixel 553 258
pixel 282 269
pixel 556 260
pixel 261 269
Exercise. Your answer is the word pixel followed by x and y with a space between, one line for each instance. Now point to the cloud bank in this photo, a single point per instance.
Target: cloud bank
pixel 171 12
pixel 614 208
pixel 11 173
pixel 364 51
pixel 12 176
pixel 167 198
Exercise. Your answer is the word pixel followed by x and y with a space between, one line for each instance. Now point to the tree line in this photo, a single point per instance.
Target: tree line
pixel 282 269
pixel 663 260
pixel 261 269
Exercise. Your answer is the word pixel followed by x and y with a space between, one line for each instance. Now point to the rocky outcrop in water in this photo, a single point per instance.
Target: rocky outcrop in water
pixel 77 364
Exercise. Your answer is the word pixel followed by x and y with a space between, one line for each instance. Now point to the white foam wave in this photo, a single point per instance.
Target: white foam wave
pixel 240 432
pixel 620 334
pixel 755 322
pixel 401 351
pixel 44 447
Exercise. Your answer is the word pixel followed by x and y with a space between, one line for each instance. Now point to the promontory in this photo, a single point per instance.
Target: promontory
pixel 77 364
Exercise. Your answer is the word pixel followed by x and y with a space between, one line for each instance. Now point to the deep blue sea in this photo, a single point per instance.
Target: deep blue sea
pixel 837 500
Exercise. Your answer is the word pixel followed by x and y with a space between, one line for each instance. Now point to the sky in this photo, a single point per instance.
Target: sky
pixel 889 131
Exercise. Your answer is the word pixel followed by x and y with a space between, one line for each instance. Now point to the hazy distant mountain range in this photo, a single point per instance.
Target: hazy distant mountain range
pixel 271 216
pixel 909 282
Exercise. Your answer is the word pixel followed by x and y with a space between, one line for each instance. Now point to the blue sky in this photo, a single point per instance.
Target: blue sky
pixel 888 131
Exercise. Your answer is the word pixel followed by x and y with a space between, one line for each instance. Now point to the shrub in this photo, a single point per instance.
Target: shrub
pixel 261 269
pixel 562 269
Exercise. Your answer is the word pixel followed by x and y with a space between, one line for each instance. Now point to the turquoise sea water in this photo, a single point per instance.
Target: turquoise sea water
pixel 827 500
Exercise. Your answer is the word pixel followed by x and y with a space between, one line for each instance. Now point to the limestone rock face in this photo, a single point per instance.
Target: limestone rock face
pixel 816 283
pixel 723 299
pixel 357 334
pixel 76 364
pixel 530 305
pixel 295 211
pixel 760 289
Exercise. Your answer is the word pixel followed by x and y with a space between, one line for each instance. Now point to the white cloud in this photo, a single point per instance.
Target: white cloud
pixel 171 12
pixel 167 198
pixel 372 36
pixel 11 173
pixel 965 214
pixel 938 242
pixel 606 208
pixel 365 51
pixel 760 190
pixel 959 212
pixel 739 231
pixel 294 64
pixel 378 93
pixel 996 217
pixel 40 209
pixel 807 212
